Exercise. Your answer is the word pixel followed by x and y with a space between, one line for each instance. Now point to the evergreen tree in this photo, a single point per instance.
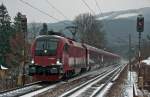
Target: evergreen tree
pixel 17 22
pixel 17 41
pixel 5 32
pixel 18 44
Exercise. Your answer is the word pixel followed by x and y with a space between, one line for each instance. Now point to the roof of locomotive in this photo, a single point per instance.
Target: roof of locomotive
pixel 48 36
pixel 65 39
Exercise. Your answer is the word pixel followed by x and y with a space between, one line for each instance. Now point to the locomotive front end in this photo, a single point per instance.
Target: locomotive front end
pixel 46 59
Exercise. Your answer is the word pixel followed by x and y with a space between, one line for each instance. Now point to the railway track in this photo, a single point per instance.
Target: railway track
pixel 23 90
pixel 59 87
pixel 54 90
pixel 99 92
pixel 73 83
pixel 94 86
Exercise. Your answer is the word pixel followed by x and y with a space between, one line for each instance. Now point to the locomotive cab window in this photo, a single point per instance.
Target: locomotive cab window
pixel 46 47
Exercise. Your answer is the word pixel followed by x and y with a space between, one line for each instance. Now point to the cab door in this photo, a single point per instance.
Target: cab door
pixel 65 57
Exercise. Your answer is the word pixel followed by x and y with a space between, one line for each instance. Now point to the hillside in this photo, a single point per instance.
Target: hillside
pixel 117 26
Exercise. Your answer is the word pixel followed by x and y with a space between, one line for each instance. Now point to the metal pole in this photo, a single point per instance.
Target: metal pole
pixel 130 55
pixel 23 78
pixel 139 54
pixel 24 30
pixel 140 28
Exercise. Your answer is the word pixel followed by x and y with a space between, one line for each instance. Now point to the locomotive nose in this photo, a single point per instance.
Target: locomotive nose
pixel 50 60
pixel 55 61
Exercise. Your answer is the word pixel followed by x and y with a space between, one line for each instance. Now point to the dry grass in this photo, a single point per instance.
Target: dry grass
pixel 9 83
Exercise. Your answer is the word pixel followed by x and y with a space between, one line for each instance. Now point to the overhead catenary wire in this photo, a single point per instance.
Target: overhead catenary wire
pixel 98 7
pixel 100 11
pixel 50 4
pixel 89 20
pixel 88 7
pixel 105 22
pixel 41 11
pixel 93 13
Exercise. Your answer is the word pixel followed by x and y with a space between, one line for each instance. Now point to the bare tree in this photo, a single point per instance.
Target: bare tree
pixel 90 30
pixel 35 28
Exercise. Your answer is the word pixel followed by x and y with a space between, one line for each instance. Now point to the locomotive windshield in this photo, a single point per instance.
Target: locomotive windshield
pixel 46 47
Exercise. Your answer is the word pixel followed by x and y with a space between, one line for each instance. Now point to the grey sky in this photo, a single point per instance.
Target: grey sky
pixel 70 8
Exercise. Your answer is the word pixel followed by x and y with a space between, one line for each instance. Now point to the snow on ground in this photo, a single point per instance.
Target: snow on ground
pixel 104 91
pixel 39 91
pixel 128 89
pixel 147 61
pixel 3 68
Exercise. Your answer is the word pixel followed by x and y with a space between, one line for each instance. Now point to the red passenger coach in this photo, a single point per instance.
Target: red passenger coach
pixel 54 57
pixel 98 58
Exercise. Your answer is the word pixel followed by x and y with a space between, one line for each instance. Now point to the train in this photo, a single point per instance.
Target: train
pixel 55 57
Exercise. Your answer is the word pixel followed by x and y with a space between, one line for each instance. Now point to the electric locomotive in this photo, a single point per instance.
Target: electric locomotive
pixel 54 57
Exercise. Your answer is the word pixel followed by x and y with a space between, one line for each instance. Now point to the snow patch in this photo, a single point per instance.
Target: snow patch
pixel 38 92
pixel 129 91
pixel 104 91
pixel 3 68
pixel 132 79
pixel 103 17
pixel 126 15
pixel 147 61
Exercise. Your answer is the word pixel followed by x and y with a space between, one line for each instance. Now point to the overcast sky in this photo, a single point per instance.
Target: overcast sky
pixel 69 8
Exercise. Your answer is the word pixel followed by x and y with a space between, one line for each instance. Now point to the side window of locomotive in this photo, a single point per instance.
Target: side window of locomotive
pixel 66 48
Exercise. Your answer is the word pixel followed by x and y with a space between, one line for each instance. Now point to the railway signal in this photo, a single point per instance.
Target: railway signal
pixel 140 23
pixel 140 28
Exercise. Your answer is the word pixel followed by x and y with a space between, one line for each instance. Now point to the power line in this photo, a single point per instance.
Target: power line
pixel 56 9
pixel 104 21
pixel 98 6
pixel 88 7
pixel 41 11
pixel 100 11
pixel 38 9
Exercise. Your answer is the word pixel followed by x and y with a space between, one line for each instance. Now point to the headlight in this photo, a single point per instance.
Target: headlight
pixel 32 61
pixel 58 62
pixel 45 51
